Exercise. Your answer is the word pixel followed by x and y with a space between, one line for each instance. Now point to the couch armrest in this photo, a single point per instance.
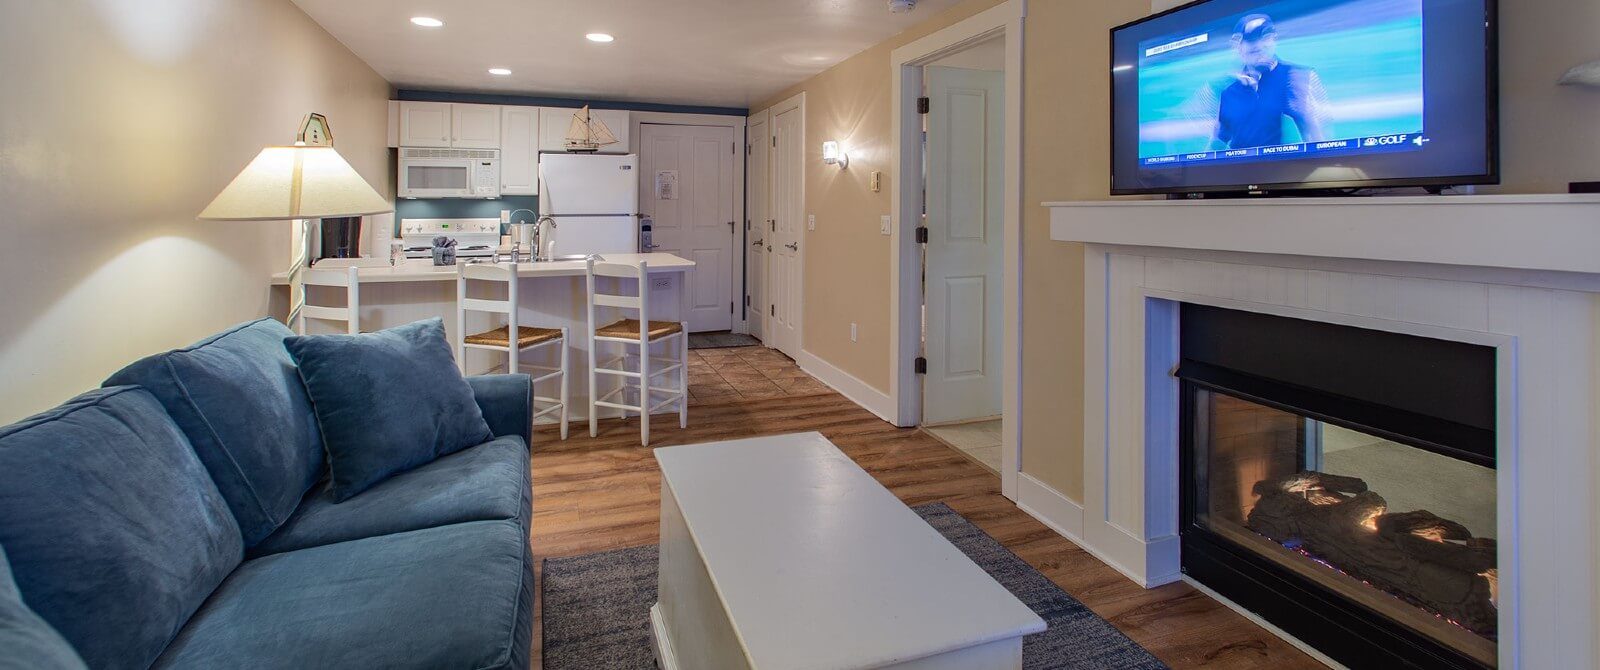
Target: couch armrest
pixel 507 403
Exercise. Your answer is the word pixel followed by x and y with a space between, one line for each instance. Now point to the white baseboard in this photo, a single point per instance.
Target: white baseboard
pixel 847 385
pixel 1257 620
pixel 1055 510
pixel 1051 507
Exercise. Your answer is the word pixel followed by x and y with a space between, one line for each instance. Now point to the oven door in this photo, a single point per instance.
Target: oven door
pixel 436 178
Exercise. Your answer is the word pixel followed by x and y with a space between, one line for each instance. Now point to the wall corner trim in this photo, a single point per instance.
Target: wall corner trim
pixel 859 392
pixel 1064 516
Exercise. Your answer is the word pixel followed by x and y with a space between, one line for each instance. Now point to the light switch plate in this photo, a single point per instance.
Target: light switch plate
pixel 885 223
pixel 852 332
pixel 505 216
pixel 811 222
pixel 661 283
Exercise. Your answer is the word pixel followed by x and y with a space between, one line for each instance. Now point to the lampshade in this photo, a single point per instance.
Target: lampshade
pixel 299 182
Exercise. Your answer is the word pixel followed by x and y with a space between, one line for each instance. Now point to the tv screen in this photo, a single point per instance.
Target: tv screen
pixel 1262 95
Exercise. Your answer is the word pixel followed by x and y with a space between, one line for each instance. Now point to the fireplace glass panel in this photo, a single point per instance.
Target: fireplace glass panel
pixel 1406 532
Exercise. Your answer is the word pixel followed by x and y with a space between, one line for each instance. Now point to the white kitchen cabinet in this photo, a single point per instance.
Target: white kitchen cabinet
pixel 519 150
pixel 475 126
pixel 554 121
pixel 425 124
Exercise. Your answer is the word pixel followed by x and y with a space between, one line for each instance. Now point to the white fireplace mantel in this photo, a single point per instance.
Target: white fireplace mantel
pixel 1518 273
pixel 1525 232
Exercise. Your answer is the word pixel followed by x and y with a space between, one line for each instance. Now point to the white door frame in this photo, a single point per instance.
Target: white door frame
pixel 906 197
pixel 638 119
pixel 756 222
pixel 795 102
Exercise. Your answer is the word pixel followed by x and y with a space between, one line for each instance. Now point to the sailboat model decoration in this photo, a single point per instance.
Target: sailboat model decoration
pixel 587 134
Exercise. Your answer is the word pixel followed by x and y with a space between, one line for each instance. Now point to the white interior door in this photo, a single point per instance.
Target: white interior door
pixel 686 187
pixel 758 182
pixel 962 335
pixel 784 232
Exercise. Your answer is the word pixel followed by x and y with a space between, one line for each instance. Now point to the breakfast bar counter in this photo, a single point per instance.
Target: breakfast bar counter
pixel 414 270
pixel 551 294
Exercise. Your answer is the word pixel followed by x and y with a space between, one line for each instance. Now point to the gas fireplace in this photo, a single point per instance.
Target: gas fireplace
pixel 1340 482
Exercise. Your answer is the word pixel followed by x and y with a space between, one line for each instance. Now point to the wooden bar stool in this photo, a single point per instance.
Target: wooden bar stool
pixel 641 333
pixel 499 339
pixel 337 276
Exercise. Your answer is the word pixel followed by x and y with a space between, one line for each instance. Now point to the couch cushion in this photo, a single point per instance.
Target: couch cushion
pixel 114 530
pixel 483 483
pixel 239 398
pixel 386 402
pixel 28 642
pixel 456 596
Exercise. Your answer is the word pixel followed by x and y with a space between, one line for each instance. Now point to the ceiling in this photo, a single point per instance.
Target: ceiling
pixel 725 53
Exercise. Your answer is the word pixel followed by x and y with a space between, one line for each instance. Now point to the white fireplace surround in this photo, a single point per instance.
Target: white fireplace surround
pixel 1518 273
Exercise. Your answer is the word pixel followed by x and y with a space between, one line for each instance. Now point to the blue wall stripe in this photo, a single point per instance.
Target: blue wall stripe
pixel 535 101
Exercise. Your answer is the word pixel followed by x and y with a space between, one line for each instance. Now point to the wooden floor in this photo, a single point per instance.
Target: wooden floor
pixel 593 494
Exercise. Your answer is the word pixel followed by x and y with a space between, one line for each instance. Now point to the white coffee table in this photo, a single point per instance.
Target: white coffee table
pixel 780 552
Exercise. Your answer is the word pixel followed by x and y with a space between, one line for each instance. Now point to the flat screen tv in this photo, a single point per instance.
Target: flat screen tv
pixel 1261 96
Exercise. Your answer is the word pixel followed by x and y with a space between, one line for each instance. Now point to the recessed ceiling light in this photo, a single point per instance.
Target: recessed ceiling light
pixel 599 37
pixel 427 21
pixel 499 71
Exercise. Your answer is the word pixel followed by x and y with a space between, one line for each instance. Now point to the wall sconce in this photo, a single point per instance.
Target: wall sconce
pixel 832 155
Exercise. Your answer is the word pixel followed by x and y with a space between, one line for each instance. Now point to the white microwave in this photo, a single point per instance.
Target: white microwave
pixel 449 173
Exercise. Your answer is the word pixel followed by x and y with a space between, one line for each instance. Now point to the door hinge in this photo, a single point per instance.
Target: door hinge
pixel 921 365
pixel 774 141
pixel 773 309
pixel 922 234
pixel 747 301
pixel 730 306
pixel 733 148
pixel 922 105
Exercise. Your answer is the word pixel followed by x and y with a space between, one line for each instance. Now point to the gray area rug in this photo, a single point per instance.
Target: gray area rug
pixel 722 340
pixel 596 611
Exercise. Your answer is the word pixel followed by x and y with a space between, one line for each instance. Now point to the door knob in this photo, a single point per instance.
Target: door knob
pixel 757 243
pixel 793 246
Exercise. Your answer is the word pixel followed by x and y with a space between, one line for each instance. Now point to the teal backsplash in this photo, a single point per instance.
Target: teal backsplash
pixel 463 208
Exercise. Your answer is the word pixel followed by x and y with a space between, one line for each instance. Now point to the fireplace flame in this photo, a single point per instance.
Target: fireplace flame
pixel 1492 575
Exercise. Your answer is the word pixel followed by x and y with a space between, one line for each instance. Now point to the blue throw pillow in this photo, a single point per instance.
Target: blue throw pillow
pixel 238 398
pixel 386 402
pixel 29 643
pixel 114 531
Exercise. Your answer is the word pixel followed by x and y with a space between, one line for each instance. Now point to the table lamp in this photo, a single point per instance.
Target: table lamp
pixel 298 183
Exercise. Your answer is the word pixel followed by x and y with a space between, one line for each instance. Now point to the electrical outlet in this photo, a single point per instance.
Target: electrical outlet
pixel 811 222
pixel 660 283
pixel 505 216
pixel 852 331
pixel 885 223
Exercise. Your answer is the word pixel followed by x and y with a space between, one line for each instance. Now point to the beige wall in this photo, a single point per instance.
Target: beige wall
pixel 1551 137
pixel 120 120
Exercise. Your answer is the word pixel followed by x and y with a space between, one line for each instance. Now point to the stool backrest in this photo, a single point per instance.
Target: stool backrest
pixel 339 276
pixel 505 273
pixel 639 272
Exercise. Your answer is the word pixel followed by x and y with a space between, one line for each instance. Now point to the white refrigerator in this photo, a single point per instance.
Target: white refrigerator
pixel 593 202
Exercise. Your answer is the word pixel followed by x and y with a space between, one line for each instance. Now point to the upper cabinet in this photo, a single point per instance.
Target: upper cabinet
pixel 520 133
pixel 446 124
pixel 425 124
pixel 519 150
pixel 475 126
pixel 554 121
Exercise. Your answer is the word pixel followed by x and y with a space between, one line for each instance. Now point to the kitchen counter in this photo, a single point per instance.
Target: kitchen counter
pixel 550 295
pixel 422 269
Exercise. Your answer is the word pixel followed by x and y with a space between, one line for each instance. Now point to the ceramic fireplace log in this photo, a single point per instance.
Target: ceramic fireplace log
pixel 1417 556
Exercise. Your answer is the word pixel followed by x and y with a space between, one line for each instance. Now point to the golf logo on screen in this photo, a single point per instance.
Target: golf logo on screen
pixel 1285 80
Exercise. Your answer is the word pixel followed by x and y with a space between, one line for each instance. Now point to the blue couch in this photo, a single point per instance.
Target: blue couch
pixel 179 518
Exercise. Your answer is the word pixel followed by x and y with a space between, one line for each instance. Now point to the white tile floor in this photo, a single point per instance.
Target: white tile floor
pixel 979 440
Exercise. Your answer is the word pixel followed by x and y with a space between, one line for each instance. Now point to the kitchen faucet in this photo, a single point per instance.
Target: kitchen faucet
pixel 538 237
